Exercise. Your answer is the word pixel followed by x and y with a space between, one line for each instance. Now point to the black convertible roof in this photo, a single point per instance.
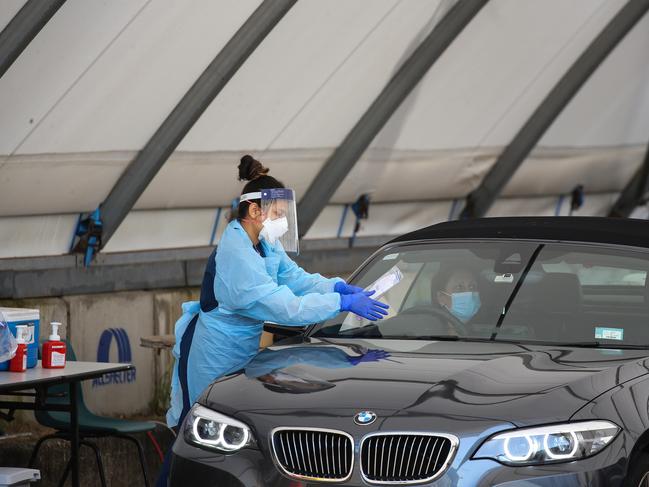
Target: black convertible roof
pixel 620 231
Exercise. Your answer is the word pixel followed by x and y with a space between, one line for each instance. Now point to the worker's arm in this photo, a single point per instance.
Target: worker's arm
pixel 242 285
pixel 300 281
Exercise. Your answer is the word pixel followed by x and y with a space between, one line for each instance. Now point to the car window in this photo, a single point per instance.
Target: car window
pixel 397 292
pixel 550 292
pixel 419 293
pixel 600 275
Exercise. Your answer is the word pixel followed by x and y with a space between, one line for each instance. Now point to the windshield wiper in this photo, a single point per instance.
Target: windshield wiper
pixel 441 338
pixel 453 338
pixel 520 343
pixel 456 338
pixel 517 288
pixel 596 344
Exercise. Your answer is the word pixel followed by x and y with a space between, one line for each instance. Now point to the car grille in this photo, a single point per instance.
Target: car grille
pixel 404 458
pixel 314 454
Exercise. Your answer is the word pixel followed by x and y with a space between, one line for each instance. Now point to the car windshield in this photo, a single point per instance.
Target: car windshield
pixel 517 291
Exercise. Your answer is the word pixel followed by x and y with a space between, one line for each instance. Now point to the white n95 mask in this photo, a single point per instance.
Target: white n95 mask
pixel 274 229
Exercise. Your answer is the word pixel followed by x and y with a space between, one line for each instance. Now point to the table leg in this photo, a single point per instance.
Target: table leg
pixel 74 434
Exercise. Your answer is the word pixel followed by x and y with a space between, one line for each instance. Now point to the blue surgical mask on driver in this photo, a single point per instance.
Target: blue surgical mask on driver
pixel 465 305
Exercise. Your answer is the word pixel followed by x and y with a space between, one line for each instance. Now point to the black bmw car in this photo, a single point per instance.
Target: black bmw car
pixel 516 353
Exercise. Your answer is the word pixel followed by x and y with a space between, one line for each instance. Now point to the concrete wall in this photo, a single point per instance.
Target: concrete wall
pixel 111 325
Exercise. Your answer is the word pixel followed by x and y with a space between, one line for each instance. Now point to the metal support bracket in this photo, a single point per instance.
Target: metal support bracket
pixel 89 234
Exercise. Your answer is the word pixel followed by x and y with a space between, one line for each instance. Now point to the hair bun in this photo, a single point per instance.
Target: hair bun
pixel 250 168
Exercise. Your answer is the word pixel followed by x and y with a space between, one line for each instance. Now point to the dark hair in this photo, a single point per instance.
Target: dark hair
pixel 250 169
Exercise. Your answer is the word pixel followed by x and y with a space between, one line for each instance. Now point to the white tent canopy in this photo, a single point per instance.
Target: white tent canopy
pixel 98 80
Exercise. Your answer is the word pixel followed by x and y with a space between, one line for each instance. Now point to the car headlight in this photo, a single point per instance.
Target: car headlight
pixel 213 430
pixel 549 444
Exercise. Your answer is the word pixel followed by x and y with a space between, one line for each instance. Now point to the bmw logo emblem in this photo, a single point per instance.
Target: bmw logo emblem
pixel 364 418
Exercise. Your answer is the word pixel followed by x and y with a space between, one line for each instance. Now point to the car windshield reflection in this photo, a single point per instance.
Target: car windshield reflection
pixel 280 371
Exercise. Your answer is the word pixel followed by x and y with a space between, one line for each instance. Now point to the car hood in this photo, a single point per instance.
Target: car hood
pixel 520 384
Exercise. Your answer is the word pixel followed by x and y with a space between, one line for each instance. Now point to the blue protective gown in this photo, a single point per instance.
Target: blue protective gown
pixel 250 289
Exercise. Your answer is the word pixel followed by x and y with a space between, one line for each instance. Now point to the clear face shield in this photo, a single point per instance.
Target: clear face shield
pixel 279 217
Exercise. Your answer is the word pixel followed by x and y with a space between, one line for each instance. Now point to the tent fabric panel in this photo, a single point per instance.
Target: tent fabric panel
pixel 98 80
pixel 400 175
pixel 485 87
pixel 496 73
pixel 541 206
pixel 213 176
pixel 160 55
pixel 162 229
pixel 75 183
pixel 8 9
pixel 640 212
pixel 398 218
pixel 558 171
pixel 420 175
pixel 340 104
pixel 612 108
pixel 184 228
pixel 36 235
pixel 594 205
pixel 299 89
pixel 331 219
pixel 50 65
pixel 58 183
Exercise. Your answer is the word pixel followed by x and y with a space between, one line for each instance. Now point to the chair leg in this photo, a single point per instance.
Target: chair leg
pixel 140 452
pixel 37 447
pixel 100 464
pixel 64 477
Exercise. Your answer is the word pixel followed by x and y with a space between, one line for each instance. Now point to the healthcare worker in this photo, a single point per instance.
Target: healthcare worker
pixel 250 279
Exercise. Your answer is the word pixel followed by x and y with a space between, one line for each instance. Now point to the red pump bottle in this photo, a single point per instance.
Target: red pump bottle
pixel 54 349
pixel 19 362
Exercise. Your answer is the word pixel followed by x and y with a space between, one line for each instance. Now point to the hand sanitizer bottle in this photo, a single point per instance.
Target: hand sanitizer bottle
pixel 19 362
pixel 54 349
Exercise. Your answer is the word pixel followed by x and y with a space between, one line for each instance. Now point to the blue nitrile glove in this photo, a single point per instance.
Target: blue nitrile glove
pixel 362 305
pixel 341 287
pixel 370 356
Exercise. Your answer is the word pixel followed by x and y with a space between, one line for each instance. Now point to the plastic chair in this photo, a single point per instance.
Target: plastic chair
pixel 90 426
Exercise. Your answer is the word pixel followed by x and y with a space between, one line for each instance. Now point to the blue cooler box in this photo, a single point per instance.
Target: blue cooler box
pixel 23 316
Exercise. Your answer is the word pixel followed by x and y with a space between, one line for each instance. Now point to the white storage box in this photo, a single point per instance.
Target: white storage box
pixel 18 477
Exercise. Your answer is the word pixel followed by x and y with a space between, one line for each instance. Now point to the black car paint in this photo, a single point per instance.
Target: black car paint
pixel 474 379
pixel 471 390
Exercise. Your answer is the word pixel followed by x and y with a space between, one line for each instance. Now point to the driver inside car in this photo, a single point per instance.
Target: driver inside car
pixel 456 291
